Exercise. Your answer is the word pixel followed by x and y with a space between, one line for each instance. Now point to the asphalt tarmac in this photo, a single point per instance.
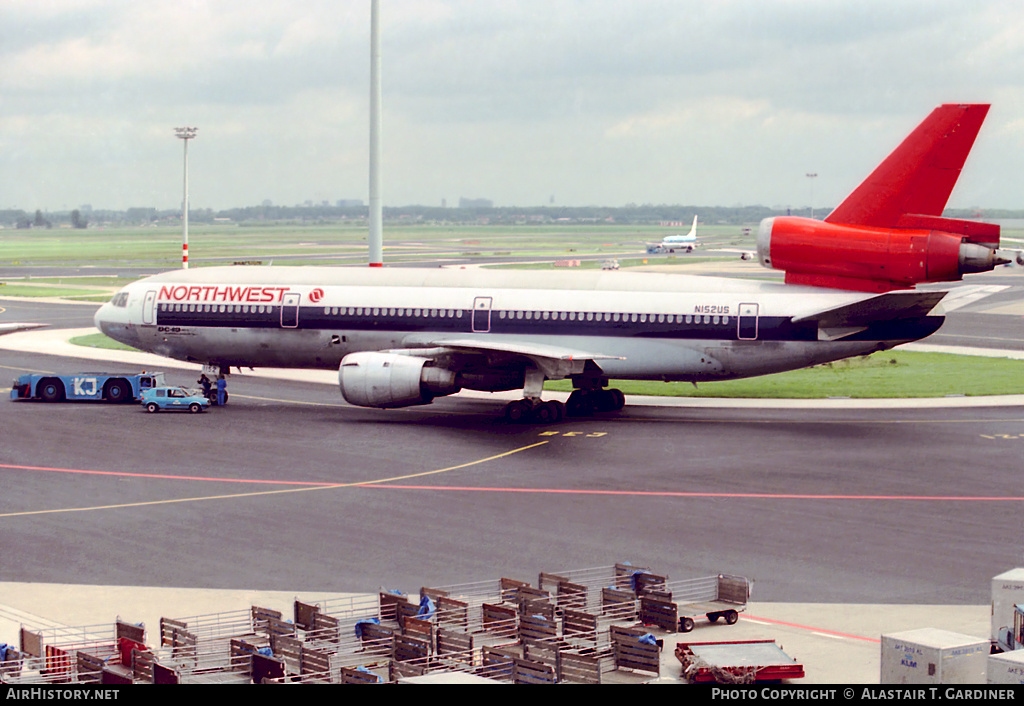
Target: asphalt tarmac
pixel 290 489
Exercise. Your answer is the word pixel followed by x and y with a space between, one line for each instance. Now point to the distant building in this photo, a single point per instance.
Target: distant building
pixel 475 203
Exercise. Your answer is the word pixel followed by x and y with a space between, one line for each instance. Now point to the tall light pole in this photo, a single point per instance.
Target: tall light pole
pixel 186 134
pixel 812 176
pixel 376 235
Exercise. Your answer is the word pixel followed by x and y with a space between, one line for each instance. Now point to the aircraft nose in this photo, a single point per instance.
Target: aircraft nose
pixel 113 320
pixel 102 318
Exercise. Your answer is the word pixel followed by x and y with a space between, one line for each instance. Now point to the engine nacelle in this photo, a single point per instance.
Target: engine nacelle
pixel 390 380
pixel 869 259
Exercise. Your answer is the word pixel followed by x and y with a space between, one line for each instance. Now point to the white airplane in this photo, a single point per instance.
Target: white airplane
pixel 689 239
pixel 402 336
pixel 671 243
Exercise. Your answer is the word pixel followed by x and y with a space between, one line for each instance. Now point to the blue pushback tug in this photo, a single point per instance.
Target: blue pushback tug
pixel 104 387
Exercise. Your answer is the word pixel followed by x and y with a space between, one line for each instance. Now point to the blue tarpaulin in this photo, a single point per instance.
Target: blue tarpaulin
pixel 361 623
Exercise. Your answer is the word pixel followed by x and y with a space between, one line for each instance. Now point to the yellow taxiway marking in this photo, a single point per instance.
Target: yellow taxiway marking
pixel 357 484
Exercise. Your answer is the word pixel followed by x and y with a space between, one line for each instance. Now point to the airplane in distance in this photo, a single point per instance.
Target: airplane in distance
pixel 671 243
pixel 689 238
pixel 404 336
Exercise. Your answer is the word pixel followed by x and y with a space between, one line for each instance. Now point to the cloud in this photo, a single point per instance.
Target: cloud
pixel 598 101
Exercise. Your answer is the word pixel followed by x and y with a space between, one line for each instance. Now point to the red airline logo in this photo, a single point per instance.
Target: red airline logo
pixel 222 294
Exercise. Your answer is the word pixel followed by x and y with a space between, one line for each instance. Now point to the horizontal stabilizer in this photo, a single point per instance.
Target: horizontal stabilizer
pixel 884 307
pixel 963 296
pixel 972 231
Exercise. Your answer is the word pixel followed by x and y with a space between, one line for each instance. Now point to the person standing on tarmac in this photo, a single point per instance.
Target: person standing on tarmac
pixel 206 385
pixel 222 391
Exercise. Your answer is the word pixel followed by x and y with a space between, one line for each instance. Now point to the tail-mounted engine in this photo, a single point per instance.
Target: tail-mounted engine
pixel 871 259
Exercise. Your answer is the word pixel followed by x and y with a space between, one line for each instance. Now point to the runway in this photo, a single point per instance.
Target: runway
pixel 290 489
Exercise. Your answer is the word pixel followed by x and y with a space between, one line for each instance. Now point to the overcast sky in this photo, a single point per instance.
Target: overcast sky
pixel 588 102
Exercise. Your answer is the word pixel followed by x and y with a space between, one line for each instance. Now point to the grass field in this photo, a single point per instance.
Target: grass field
pixel 889 374
pixel 334 244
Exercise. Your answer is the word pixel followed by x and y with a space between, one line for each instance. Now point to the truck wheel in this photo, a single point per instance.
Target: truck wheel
pixel 195 407
pixel 685 624
pixel 117 391
pixel 152 407
pixel 51 390
pixel 731 616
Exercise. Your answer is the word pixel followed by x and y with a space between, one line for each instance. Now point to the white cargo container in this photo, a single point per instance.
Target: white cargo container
pixel 1007 589
pixel 1006 668
pixel 933 656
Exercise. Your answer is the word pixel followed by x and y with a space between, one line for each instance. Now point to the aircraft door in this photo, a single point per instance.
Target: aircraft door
pixel 746 327
pixel 290 310
pixel 481 315
pixel 149 308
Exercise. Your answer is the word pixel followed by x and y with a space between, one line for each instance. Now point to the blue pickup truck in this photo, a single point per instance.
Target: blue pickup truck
pixel 104 387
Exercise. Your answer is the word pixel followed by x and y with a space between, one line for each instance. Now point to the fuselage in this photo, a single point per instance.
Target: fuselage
pixel 675 239
pixel 645 326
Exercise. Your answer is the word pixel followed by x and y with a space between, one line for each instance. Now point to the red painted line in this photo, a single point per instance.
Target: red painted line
pixel 545 491
pixel 818 630
pixel 673 494
pixel 159 476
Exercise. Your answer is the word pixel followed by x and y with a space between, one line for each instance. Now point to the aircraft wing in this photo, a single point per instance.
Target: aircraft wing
pixel 12 328
pixel 554 361
pixel 846 320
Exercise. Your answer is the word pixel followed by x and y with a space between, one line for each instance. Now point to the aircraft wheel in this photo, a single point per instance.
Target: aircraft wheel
pixel 618 399
pixel 579 404
pixel 518 411
pixel 606 400
pixel 549 412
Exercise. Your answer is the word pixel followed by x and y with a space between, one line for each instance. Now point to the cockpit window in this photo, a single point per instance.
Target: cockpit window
pixel 120 299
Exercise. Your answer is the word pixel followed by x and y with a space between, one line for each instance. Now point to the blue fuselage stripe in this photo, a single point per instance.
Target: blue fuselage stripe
pixel 522 323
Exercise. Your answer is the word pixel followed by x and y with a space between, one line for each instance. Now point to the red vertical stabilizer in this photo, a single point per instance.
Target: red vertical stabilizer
pixel 890 233
pixel 919 175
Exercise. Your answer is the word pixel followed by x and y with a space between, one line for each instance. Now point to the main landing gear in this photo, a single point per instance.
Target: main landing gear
pixel 527 411
pixel 587 399
pixel 585 402
pixel 581 403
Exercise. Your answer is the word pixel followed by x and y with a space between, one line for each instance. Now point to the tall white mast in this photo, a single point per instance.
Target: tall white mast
pixel 186 134
pixel 376 236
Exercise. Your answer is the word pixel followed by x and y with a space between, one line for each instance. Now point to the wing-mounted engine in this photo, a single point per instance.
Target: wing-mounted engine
pixel 393 380
pixel 890 233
